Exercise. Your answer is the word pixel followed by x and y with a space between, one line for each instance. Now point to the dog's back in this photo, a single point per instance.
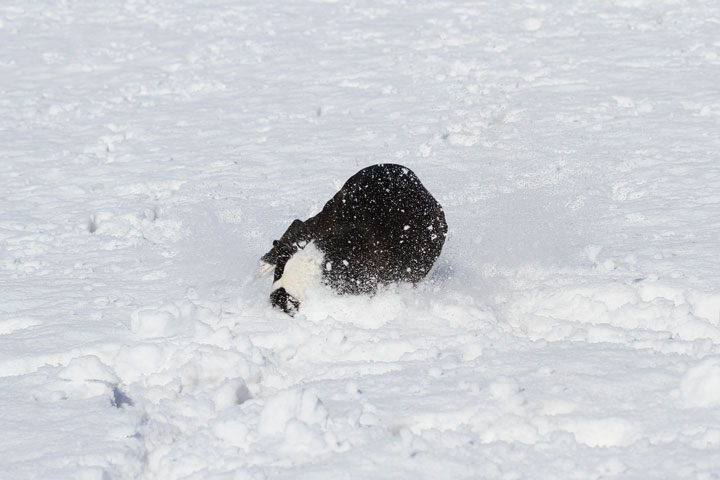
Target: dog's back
pixel 383 226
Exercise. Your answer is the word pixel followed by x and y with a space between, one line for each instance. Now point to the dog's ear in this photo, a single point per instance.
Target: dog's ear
pixel 270 258
pixel 279 251
pixel 296 233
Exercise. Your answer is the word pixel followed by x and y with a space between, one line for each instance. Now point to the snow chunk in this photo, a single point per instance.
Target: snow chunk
pixel 233 432
pixel 152 323
pixel 504 388
pixel 303 405
pixel 134 362
pixel 300 437
pixel 14 324
pixel 603 432
pixel 232 392
pixel 624 102
pixel 700 386
pixel 532 24
pixel 163 321
pixel 706 305
pixel 88 368
pixel 708 440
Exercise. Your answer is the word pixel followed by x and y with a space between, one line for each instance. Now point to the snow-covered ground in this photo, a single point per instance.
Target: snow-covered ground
pixel 151 150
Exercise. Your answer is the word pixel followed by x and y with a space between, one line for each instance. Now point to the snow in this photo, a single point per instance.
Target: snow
pixel 152 150
pixel 700 386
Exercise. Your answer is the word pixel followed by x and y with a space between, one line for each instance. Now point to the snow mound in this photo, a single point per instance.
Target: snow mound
pixel 296 405
pixel 88 368
pixel 603 432
pixel 700 386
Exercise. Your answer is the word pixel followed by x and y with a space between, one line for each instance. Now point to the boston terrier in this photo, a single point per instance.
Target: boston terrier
pixel 382 227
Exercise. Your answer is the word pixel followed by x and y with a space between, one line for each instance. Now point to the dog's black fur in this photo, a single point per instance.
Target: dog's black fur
pixel 382 227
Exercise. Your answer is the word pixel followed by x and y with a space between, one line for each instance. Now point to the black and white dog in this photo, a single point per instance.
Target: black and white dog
pixel 382 227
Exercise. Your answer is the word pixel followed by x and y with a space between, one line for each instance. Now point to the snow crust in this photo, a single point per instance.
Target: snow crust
pixel 152 150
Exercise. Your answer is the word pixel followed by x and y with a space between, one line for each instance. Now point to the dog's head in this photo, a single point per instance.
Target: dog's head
pixel 278 254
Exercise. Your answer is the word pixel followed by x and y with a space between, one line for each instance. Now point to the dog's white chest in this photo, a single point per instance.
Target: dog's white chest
pixel 302 271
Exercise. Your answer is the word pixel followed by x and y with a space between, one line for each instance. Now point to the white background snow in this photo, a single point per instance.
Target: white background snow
pixel 151 150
